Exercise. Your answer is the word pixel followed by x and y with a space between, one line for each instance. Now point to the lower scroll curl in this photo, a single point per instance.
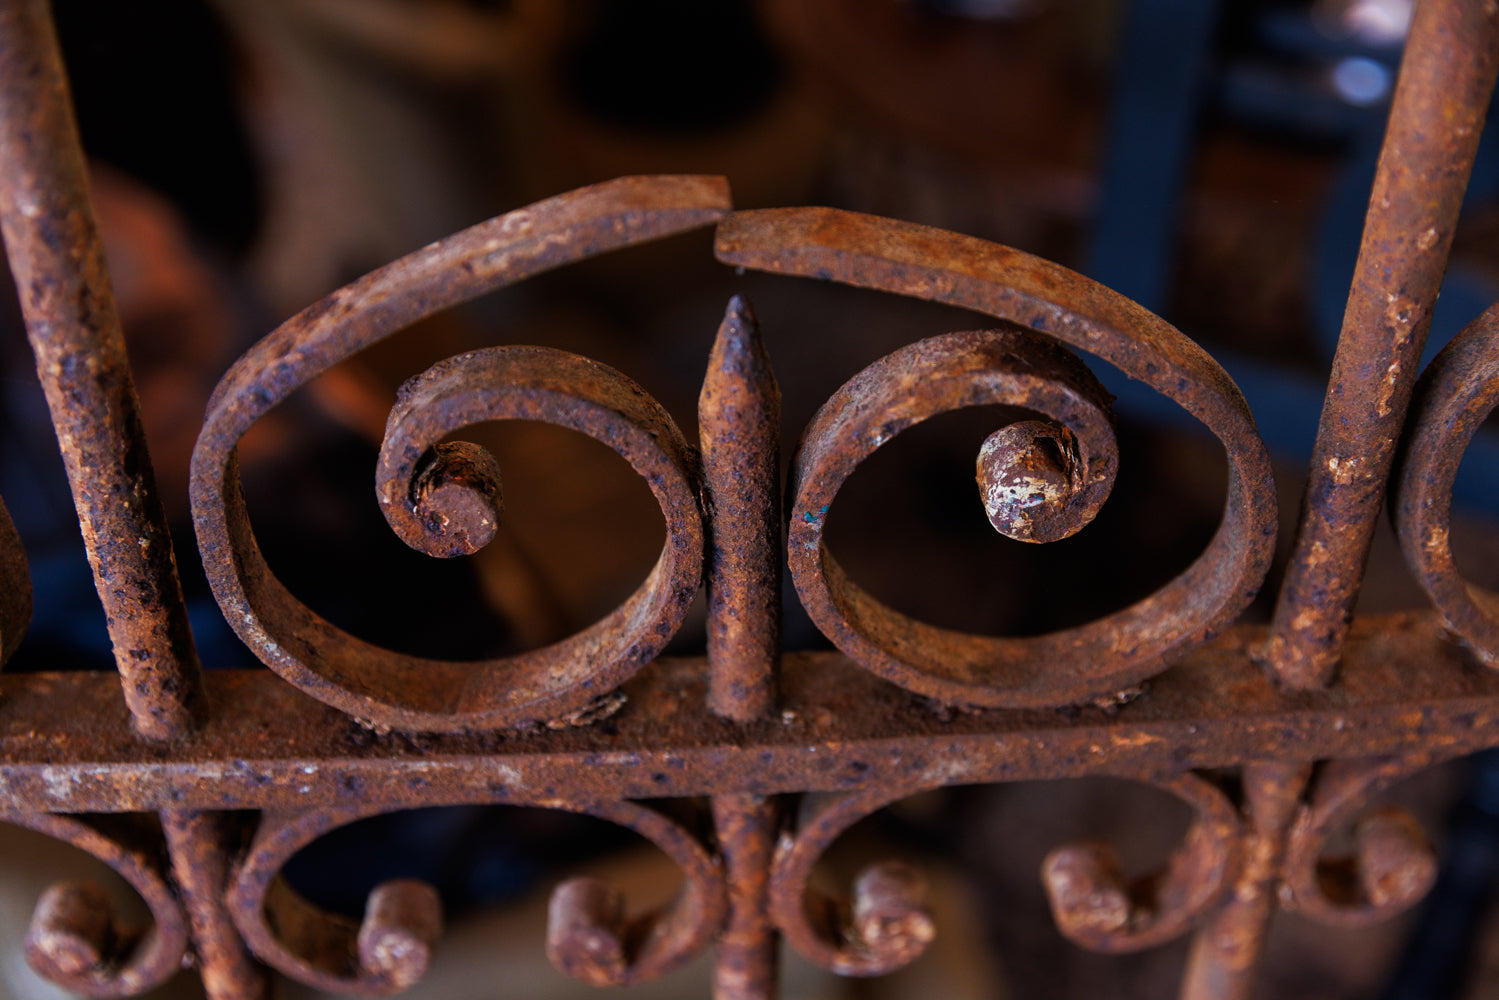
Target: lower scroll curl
pixel 884 926
pixel 75 939
pixel 390 949
pixel 1393 866
pixel 1096 908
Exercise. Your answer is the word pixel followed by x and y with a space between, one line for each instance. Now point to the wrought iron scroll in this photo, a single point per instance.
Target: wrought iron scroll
pixel 591 936
pixel 1456 393
pixel 444 501
pixel 76 940
pixel 1094 660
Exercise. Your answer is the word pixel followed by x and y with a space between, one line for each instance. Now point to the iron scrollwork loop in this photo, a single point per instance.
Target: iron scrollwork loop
pixel 882 927
pixel 1095 907
pixel 589 935
pixel 76 940
pixel 1090 661
pixel 444 499
pixel 1392 866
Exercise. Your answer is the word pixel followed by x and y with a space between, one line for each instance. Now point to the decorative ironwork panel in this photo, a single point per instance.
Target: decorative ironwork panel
pixel 745 765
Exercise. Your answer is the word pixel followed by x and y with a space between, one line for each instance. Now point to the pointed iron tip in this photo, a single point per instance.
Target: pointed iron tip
pixel 738 345
pixel 740 314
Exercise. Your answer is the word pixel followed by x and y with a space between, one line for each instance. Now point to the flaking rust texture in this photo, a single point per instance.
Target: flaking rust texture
pixel 68 747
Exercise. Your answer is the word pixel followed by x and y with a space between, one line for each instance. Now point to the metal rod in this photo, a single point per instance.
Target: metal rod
pixel 739 416
pixel 58 263
pixel 1227 951
pixel 748 958
pixel 1446 81
pixel 200 852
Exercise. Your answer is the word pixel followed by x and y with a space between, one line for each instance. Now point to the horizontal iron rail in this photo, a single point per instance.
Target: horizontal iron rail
pixel 68 746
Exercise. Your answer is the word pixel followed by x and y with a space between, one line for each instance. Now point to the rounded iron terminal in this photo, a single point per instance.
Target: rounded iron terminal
pixel 586 932
pixel 1029 473
pixel 402 922
pixel 72 929
pixel 456 498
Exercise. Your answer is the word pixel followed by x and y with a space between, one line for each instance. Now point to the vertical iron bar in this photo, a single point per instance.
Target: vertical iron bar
pixel 748 959
pixel 739 418
pixel 739 421
pixel 1446 81
pixel 48 225
pixel 200 848
pixel 57 260
pixel 1227 950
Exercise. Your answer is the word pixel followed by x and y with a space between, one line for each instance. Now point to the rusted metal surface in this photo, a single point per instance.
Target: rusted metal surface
pixel 591 937
pixel 1093 660
pixel 1445 83
pixel 719 744
pixel 1393 865
pixel 747 828
pixel 75 939
pixel 883 923
pixel 1227 950
pixel 58 263
pixel 1096 907
pixel 67 746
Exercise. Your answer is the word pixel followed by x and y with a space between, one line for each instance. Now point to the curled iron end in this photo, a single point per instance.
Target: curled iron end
pixel 1086 890
pixel 402 922
pixel 890 915
pixel 1098 908
pixel 1396 865
pixel 457 500
pixel 72 936
pixel 1029 473
pixel 586 932
pixel 1392 865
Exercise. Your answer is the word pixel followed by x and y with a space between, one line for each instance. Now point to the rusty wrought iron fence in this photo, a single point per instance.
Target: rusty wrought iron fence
pixel 1275 737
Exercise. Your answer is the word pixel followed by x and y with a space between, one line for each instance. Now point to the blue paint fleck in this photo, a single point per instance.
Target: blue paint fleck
pixel 812 518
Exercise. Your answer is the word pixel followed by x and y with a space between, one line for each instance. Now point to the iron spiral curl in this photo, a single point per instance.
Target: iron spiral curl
pixel 1097 908
pixel 883 925
pixel 589 936
pixel 1070 666
pixel 76 940
pixel 455 490
pixel 1393 865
